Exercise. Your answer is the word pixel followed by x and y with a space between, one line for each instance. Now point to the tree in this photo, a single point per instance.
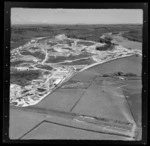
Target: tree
pixel 105 75
pixel 120 73
pixel 130 75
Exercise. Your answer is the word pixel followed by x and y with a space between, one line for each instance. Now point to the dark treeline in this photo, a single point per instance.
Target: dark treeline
pixel 20 34
pixel 120 74
pixel 23 78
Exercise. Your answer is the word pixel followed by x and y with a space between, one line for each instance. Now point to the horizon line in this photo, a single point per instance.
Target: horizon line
pixel 79 24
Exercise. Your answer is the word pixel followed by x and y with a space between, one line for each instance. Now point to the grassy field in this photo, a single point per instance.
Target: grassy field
pixel 23 78
pixel 18 62
pixel 18 42
pixel 51 44
pixel 20 34
pixel 103 100
pixel 96 101
pixel 58 59
pixel 34 48
pixel 86 61
pixel 62 99
pixel 133 93
pixel 47 67
pixel 35 127
pixel 36 54
pixel 75 85
pixel 130 64
pixel 85 43
pixel 50 130
pixel 21 122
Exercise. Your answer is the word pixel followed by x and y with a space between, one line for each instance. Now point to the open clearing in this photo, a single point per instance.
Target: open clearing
pixel 61 99
pixel 60 131
pixel 104 101
pixel 133 95
pixel 21 122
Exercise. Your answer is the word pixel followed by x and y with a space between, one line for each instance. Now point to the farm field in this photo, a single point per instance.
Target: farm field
pixel 59 131
pixel 67 128
pixel 62 99
pixel 133 95
pixel 19 118
pixel 106 100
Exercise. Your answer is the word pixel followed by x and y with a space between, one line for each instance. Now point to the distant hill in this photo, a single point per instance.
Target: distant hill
pixel 20 34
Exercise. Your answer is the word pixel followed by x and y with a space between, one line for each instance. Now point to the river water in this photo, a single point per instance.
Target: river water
pixel 118 39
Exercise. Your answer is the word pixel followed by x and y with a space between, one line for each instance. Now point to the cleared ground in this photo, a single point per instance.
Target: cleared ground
pixel 61 99
pixel 60 131
pixel 104 100
pixel 21 122
pixel 133 95
pixel 33 125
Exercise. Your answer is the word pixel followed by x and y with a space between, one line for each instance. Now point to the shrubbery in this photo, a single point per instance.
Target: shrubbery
pixel 105 47
pixel 130 75
pixel 23 78
pixel 120 74
pixel 106 40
